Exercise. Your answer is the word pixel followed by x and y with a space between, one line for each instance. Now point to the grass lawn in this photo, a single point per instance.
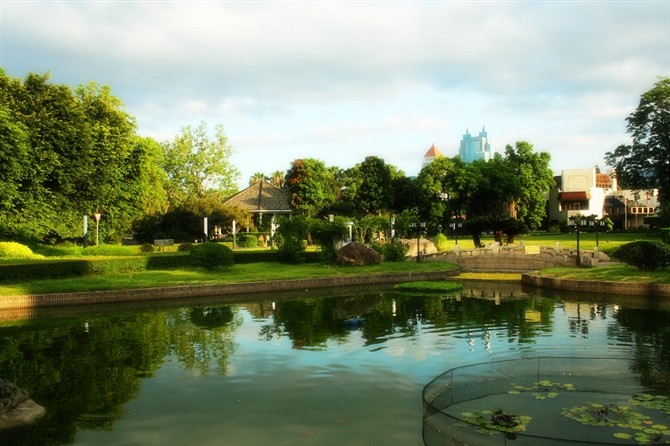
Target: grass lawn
pixel 614 273
pixel 252 272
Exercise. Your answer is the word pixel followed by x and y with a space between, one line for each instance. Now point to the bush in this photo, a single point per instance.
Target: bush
pixel 147 247
pixel 247 241
pixel 665 235
pixel 13 250
pixel 394 251
pixel 441 242
pixel 290 236
pixel 211 256
pixel 645 255
pixel 184 247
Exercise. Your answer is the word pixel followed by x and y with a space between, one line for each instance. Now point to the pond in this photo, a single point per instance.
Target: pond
pixel 286 369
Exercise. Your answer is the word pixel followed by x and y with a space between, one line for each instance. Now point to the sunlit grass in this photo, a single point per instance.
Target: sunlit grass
pixel 500 277
pixel 614 273
pixel 253 272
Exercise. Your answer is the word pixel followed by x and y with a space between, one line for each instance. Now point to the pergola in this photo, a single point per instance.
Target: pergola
pixel 259 199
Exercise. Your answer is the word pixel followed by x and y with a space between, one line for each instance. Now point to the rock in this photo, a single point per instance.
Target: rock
pixel 425 247
pixel 357 254
pixel 22 414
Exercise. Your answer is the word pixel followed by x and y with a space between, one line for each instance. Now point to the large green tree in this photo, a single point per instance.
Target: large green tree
pixel 198 165
pixel 370 189
pixel 66 153
pixel 645 163
pixel 309 184
pixel 533 178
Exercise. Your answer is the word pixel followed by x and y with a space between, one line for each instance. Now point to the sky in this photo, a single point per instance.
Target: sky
pixel 343 80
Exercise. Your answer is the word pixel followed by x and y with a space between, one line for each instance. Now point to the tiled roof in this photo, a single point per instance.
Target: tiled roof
pixel 261 197
pixel 433 152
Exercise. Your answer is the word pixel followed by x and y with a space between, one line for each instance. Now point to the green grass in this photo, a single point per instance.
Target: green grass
pixel 252 272
pixel 430 287
pixel 613 273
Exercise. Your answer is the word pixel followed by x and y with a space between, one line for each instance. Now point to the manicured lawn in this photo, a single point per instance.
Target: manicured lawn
pixel 615 273
pixel 252 272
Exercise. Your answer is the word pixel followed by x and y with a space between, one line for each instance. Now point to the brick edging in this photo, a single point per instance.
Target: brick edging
pixel 590 286
pixel 194 291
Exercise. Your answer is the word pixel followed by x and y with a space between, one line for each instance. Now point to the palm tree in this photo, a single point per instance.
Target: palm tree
pixel 257 178
pixel 277 178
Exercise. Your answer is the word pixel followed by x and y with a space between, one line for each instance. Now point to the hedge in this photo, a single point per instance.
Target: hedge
pixel 60 269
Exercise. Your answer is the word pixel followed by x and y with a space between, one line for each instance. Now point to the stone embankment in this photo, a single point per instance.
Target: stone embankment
pixel 519 257
pixel 201 291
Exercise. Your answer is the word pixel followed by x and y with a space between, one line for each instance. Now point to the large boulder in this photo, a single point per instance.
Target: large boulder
pixel 425 247
pixel 357 254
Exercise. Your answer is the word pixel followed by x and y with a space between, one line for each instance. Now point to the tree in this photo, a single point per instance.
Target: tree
pixel 645 164
pixel 197 166
pixel 307 182
pixel 72 152
pixel 257 178
pixel 373 193
pixel 533 178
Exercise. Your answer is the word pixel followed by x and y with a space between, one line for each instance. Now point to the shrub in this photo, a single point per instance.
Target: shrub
pixel 290 236
pixel 13 250
pixel 247 241
pixel 665 235
pixel 394 251
pixel 184 247
pixel 441 242
pixel 645 255
pixel 147 247
pixel 211 256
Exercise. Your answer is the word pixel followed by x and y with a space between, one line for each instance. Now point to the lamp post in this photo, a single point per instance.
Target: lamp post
pixel 96 217
pixel 418 226
pixel 455 226
pixel 596 224
pixel 579 222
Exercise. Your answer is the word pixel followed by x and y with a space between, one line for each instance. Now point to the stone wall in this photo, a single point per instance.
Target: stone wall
pixel 586 286
pixel 202 291
pixel 517 258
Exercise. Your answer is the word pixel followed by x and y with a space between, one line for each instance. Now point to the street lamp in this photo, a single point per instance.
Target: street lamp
pixel 96 217
pixel 596 224
pixel 455 226
pixel 578 222
pixel 418 226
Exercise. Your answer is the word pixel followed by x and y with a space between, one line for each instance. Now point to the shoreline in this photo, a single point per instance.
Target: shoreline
pixel 194 294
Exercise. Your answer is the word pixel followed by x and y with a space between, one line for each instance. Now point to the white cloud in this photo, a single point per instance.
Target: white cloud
pixel 343 80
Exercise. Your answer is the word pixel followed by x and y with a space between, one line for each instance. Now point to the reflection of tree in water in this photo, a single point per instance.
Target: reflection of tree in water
pixel 201 335
pixel 649 332
pixel 81 371
pixel 311 323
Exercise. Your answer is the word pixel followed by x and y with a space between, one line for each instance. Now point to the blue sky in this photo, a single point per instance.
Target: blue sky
pixel 342 80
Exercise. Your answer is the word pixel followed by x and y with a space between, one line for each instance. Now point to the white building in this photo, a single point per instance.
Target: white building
pixel 583 192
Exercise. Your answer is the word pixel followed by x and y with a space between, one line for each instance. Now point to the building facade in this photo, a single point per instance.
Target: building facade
pixel 584 192
pixel 475 147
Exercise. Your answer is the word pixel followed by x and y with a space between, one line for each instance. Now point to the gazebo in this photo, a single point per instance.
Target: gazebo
pixel 259 199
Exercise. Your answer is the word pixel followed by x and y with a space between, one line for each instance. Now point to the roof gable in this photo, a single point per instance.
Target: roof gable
pixel 261 197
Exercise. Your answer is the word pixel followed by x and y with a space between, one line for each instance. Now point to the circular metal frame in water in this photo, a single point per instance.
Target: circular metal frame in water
pixel 548 401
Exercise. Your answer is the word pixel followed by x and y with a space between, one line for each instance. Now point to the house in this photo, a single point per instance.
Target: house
pixel 585 192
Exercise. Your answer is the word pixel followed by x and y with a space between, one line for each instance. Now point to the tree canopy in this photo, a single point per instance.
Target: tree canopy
pixel 66 153
pixel 645 163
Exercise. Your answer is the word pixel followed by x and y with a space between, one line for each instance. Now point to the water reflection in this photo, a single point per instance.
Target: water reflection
pixel 290 363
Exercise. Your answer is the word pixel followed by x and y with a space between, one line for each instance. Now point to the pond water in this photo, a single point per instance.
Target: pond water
pixel 286 369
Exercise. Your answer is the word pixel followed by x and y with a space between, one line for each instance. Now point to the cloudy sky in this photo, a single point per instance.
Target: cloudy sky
pixel 342 80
